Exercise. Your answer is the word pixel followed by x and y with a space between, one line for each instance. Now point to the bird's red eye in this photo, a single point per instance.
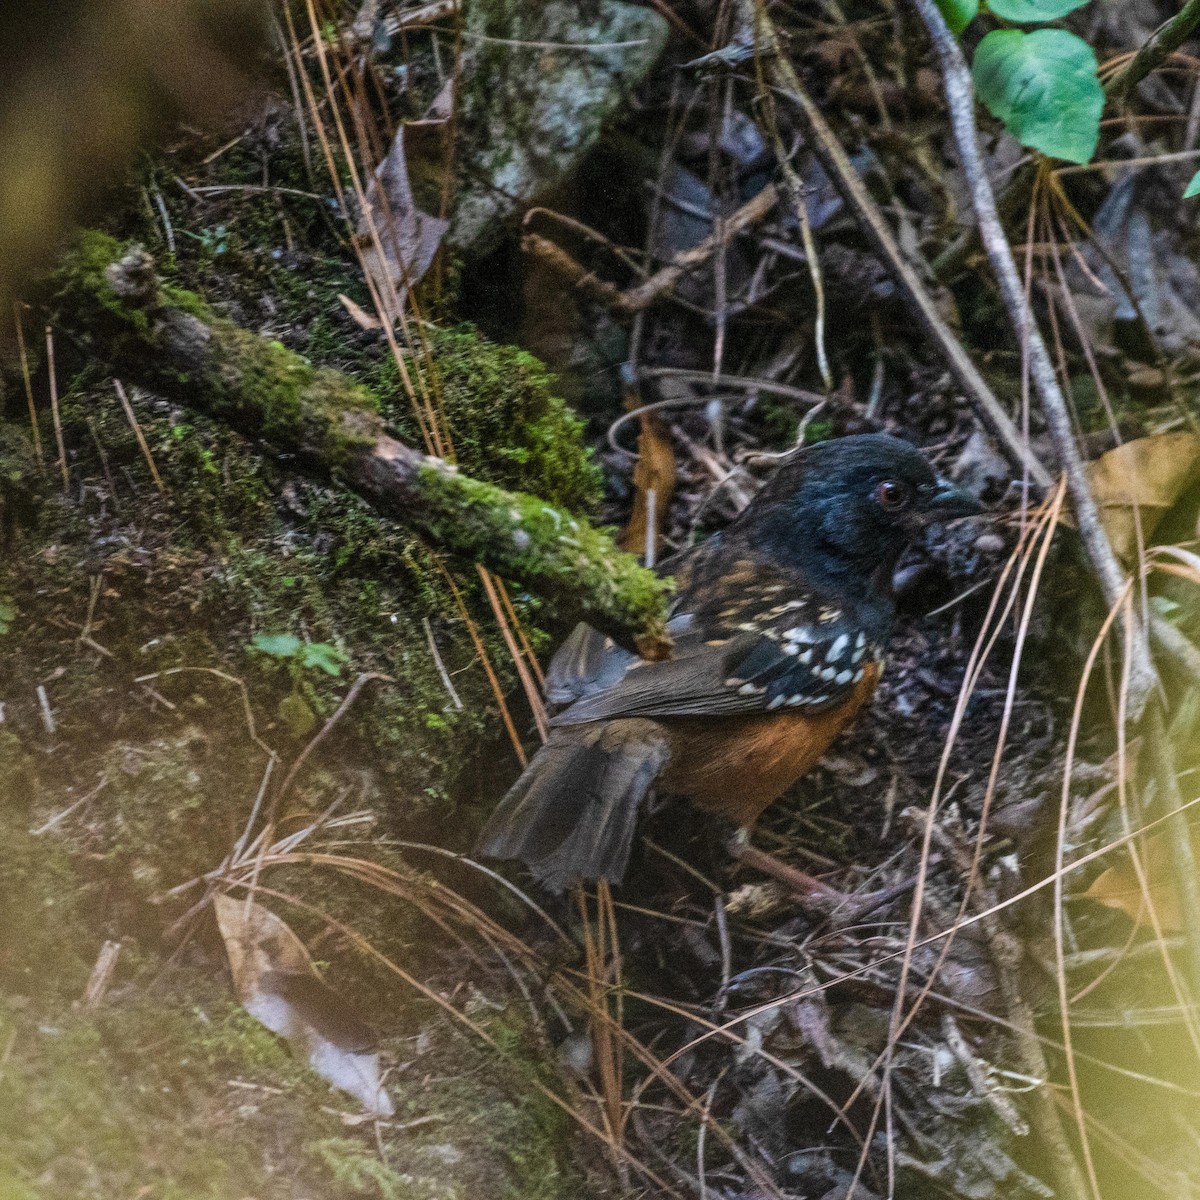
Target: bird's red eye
pixel 892 494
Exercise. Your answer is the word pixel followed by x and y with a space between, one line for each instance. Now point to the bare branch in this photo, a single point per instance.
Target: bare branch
pixel 840 169
pixel 960 98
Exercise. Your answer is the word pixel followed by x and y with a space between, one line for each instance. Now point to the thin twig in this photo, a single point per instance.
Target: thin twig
pixel 46 711
pixel 443 674
pixel 33 417
pixel 644 294
pixel 849 184
pixel 960 99
pixel 131 417
pixel 797 194
pixel 342 709
pixel 58 431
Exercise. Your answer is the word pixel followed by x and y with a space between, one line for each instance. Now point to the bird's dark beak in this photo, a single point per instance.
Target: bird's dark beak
pixel 950 501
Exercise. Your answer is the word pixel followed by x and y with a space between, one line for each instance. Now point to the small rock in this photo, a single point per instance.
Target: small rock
pixel 575 1054
pixel 989 543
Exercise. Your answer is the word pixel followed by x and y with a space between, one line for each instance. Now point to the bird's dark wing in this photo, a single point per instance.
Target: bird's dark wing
pixel 589 662
pixel 759 654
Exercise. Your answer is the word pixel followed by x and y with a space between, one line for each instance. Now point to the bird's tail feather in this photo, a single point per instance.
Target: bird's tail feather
pixel 571 816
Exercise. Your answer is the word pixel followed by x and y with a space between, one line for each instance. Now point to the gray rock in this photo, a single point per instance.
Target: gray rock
pixel 540 78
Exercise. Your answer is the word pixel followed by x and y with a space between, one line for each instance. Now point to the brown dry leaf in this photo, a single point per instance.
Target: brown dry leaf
pixel 654 471
pixel 279 986
pixel 1149 474
pixel 1118 887
pixel 408 239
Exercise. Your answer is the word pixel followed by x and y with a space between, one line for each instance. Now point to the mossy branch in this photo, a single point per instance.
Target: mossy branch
pixel 170 341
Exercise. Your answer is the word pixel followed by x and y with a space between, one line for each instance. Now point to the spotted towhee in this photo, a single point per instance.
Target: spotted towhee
pixel 779 624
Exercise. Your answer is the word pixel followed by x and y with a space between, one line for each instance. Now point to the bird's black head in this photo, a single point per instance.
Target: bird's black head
pixel 850 505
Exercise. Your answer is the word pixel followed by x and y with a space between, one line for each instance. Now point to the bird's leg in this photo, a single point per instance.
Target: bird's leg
pixel 844 907
pixel 795 880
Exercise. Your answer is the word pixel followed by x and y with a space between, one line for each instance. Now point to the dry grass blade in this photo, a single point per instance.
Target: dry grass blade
pixel 58 430
pixel 135 425
pixel 34 425
pixel 602 967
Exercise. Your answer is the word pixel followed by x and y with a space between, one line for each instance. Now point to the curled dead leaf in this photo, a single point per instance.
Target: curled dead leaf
pixel 279 986
pixel 396 240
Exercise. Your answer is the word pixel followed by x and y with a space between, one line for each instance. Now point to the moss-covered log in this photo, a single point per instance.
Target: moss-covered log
pixel 169 340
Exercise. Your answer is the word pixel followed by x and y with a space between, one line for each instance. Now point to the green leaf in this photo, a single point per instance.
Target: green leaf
pixel 1043 86
pixel 958 13
pixel 1193 187
pixel 277 645
pixel 323 657
pixel 1032 12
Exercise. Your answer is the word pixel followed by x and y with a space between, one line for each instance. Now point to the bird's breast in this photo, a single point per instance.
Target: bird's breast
pixel 737 766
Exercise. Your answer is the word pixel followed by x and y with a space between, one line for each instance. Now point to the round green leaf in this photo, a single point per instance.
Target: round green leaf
pixel 960 13
pixel 1193 187
pixel 278 645
pixel 1043 86
pixel 1032 12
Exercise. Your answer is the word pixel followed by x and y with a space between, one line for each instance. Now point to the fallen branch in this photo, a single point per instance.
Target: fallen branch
pixel 628 303
pixel 825 145
pixel 171 342
pixel 572 272
pixel 644 294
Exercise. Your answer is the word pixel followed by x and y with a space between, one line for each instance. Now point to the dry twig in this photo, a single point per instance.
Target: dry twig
pixel 960 98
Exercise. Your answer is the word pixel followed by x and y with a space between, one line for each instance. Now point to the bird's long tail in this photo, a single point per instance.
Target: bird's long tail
pixel 571 816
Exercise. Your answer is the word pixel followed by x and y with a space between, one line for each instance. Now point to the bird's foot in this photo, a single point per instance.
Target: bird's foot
pixel 814 895
pixel 809 887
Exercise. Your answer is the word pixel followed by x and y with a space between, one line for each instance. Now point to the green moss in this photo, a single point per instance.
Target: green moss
pixel 507 425
pixel 352 1165
pixel 41 897
pixel 138 1095
pixel 505 1115
pixel 83 276
pixel 260 387
pixel 535 543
